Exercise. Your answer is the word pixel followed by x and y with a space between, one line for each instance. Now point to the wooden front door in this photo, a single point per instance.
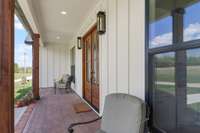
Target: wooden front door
pixel 91 68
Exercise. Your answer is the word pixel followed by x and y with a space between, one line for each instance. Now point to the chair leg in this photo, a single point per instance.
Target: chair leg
pixel 55 88
pixel 67 88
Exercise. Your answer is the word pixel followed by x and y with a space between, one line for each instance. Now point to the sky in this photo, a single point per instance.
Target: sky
pixel 161 31
pixel 20 47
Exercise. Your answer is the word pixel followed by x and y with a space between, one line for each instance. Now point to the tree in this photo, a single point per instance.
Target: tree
pixel 16 68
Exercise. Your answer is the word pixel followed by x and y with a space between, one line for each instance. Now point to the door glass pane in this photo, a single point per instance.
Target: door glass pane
pixel 88 61
pixel 191 19
pixel 164 100
pixel 160 27
pixel 95 58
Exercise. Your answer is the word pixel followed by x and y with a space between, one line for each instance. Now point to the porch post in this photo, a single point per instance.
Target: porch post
pixel 7 66
pixel 35 79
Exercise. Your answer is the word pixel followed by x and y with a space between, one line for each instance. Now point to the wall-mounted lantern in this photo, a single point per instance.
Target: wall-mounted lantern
pixel 28 40
pixel 79 43
pixel 101 22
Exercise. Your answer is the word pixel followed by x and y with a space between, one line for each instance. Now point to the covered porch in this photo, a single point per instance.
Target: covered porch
pixel 54 28
pixel 100 59
pixel 146 49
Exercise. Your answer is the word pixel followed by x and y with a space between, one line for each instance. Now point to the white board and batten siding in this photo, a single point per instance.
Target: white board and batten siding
pixel 54 62
pixel 122 48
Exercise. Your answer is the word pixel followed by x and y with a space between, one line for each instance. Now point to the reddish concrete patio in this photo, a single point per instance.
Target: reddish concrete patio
pixel 54 113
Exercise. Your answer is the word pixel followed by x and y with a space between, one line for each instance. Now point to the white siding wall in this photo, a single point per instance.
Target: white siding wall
pixel 122 48
pixel 54 62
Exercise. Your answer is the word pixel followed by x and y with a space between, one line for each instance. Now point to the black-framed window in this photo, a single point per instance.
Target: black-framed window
pixel 73 59
pixel 174 65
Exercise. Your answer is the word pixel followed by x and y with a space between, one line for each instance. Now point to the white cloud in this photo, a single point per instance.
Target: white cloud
pixel 18 24
pixel 162 39
pixel 192 32
pixel 16 18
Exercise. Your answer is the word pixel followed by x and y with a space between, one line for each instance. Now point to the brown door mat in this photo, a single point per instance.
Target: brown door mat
pixel 81 107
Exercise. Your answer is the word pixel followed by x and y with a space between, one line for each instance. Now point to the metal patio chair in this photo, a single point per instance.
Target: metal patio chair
pixel 63 83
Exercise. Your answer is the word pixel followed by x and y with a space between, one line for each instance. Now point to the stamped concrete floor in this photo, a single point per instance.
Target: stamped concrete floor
pixel 54 113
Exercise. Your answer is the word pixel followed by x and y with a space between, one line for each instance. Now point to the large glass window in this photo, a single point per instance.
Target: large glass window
pixel 174 83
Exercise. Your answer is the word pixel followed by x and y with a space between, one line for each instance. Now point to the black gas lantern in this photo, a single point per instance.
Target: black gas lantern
pixel 79 42
pixel 101 22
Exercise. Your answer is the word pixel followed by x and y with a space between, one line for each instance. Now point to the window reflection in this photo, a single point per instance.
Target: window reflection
pixel 95 58
pixel 88 60
pixel 164 91
pixel 193 80
pixel 176 91
pixel 192 21
pixel 176 74
pixel 161 36
pixel 161 21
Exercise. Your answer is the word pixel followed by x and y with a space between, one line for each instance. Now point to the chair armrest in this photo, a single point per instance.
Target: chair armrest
pixel 56 80
pixel 71 130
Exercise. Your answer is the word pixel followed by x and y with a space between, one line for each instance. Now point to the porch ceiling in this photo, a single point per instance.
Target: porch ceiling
pixel 53 24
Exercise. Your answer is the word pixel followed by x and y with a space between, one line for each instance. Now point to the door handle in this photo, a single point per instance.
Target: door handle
pixel 93 72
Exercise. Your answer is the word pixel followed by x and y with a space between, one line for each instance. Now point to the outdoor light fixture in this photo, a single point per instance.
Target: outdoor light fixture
pixel 101 22
pixel 79 43
pixel 28 40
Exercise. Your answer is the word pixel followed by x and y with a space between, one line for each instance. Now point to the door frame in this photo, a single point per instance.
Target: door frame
pixel 83 66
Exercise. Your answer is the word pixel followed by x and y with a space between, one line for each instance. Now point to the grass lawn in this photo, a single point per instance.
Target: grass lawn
pixel 168 74
pixel 20 75
pixel 195 106
pixel 21 90
pixel 171 89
